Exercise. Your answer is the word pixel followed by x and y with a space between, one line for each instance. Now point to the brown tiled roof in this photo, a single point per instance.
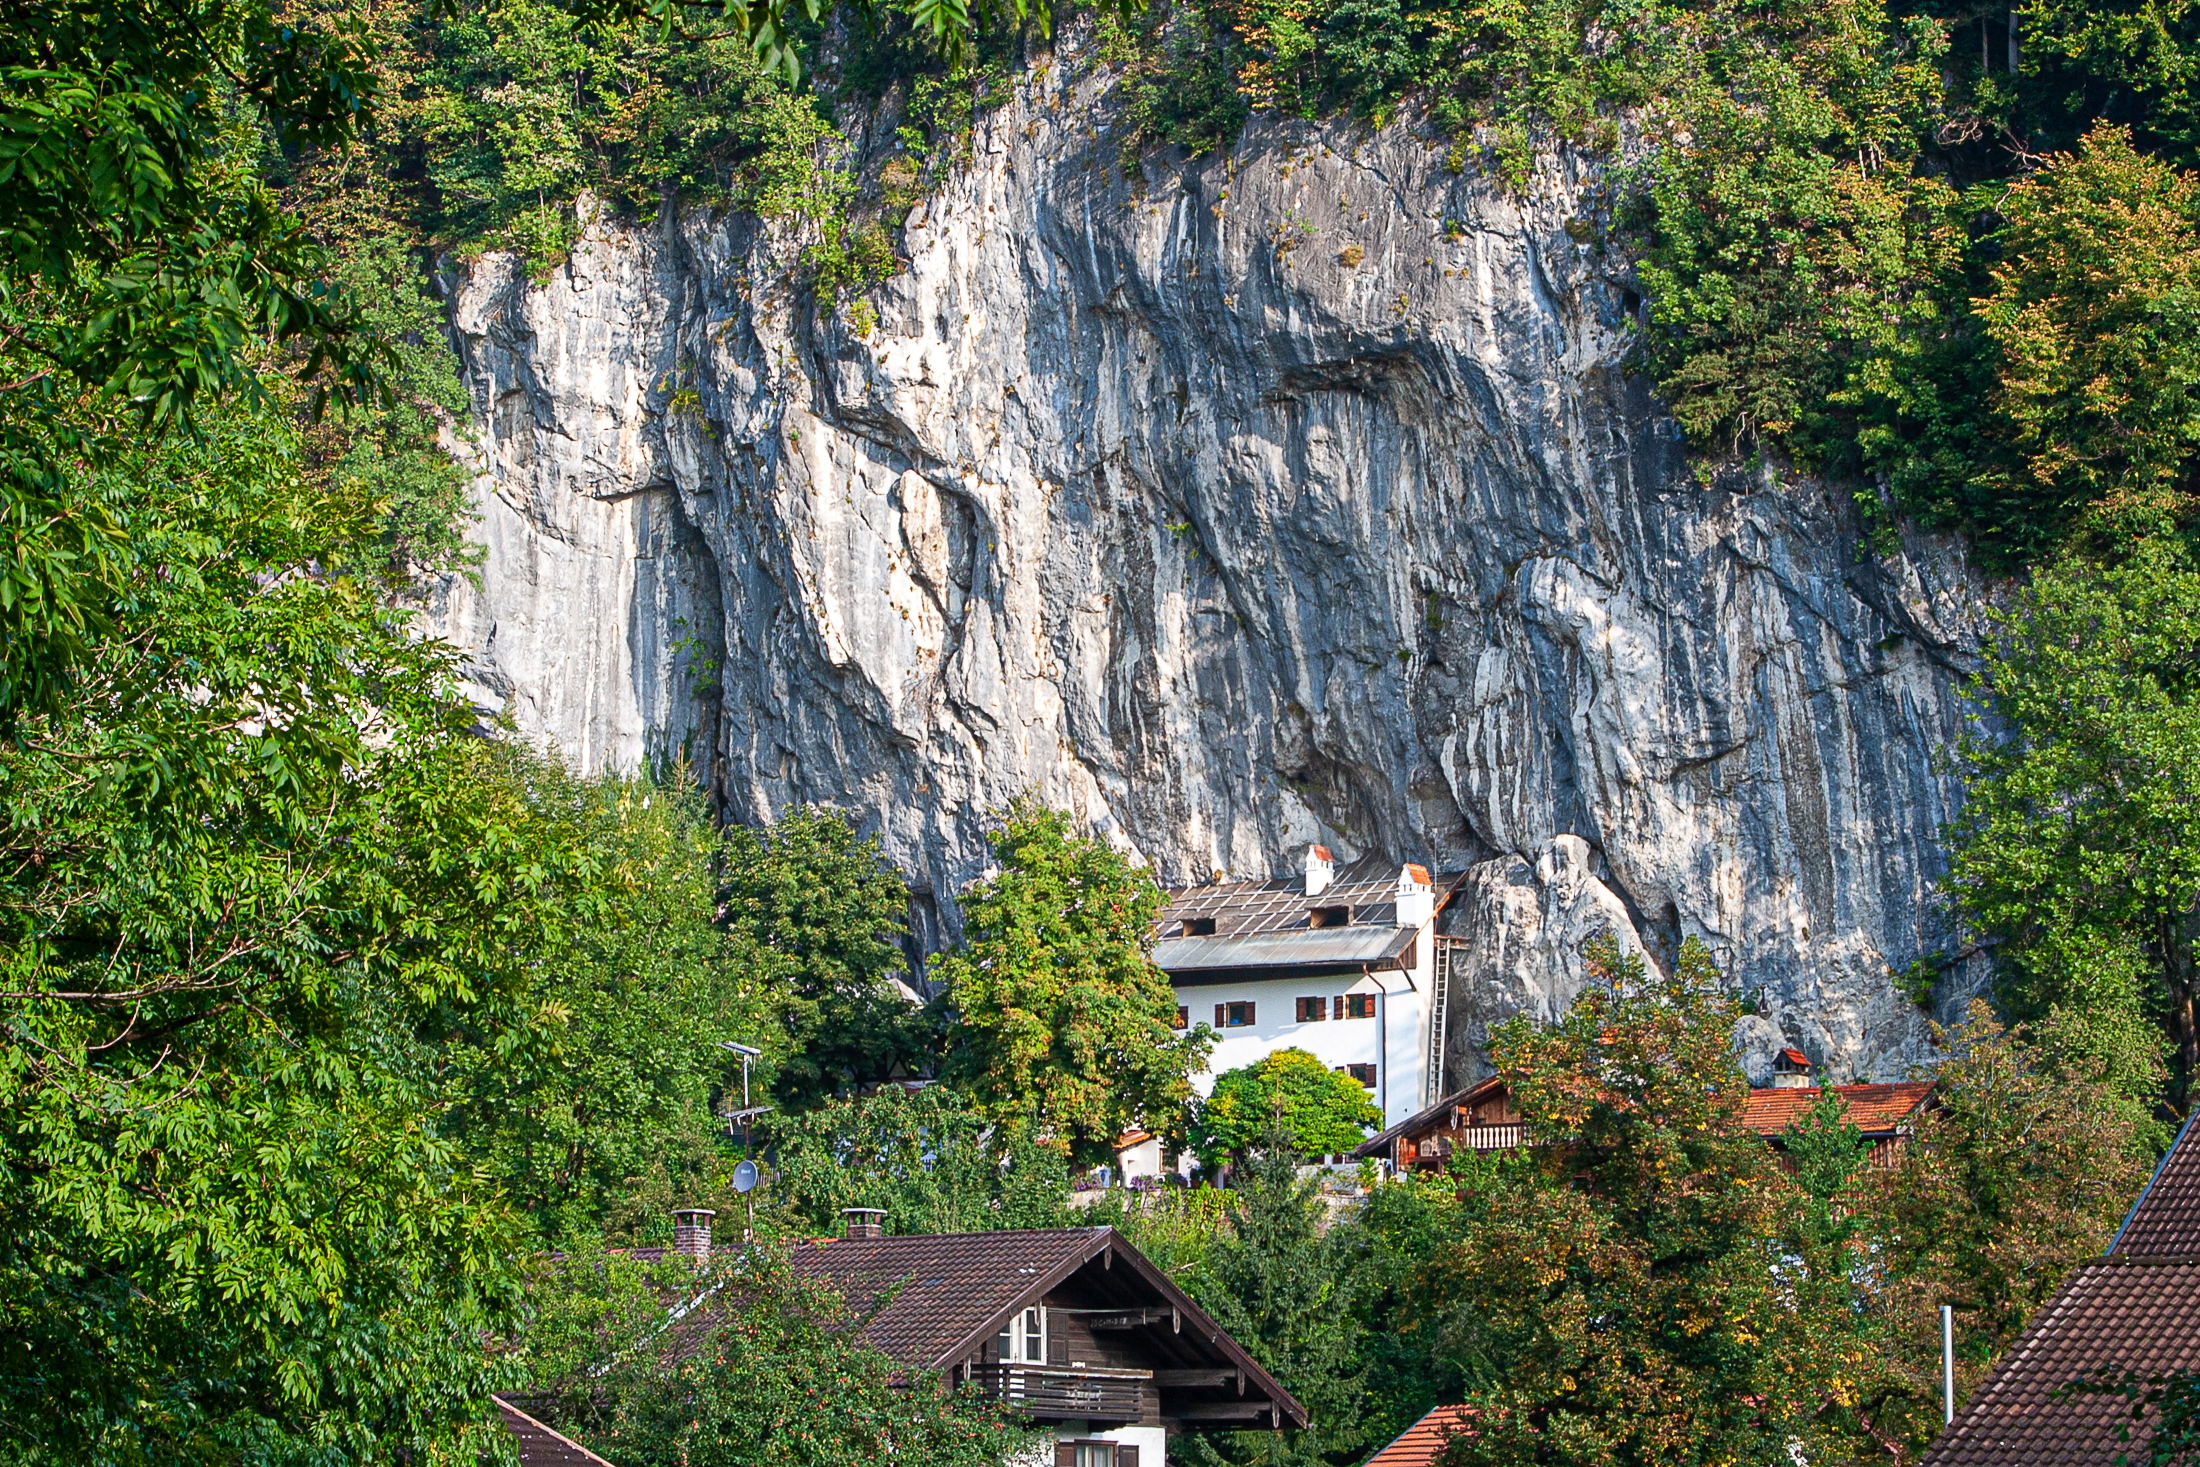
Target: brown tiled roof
pixel 1870 1108
pixel 1420 1444
pixel 959 1286
pixel 2109 1316
pixel 2166 1218
pixel 956 1290
pixel 541 1446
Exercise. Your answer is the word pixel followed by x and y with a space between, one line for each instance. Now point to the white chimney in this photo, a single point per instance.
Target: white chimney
pixel 1320 870
pixel 1416 896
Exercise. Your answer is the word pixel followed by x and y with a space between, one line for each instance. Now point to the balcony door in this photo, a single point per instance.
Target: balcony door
pixel 1024 1340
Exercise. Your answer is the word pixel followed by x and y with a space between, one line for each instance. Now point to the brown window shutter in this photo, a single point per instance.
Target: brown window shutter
pixel 1222 1014
pixel 1339 1009
pixel 1248 1011
pixel 1057 1338
pixel 1065 1454
pixel 1126 1455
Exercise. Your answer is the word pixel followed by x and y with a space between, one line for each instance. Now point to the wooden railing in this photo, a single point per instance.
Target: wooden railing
pixel 1065 1393
pixel 1471 1138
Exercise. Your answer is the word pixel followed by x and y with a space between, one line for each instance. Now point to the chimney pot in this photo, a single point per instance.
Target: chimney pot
pixel 865 1222
pixel 1320 870
pixel 691 1232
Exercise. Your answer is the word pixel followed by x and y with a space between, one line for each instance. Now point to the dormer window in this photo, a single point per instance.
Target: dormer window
pixel 1329 917
pixel 1196 927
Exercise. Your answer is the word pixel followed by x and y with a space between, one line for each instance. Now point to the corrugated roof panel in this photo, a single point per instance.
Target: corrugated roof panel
pixel 1304 948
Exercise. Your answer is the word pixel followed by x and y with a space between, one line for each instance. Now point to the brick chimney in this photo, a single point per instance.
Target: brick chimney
pixel 1320 870
pixel 691 1232
pixel 865 1222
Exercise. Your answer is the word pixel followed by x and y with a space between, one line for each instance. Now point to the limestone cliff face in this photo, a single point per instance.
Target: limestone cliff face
pixel 1299 494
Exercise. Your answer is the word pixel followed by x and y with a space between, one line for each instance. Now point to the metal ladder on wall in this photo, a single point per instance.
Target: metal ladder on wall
pixel 1432 1074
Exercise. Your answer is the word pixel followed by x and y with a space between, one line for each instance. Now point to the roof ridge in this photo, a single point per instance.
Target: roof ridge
pixel 2183 1132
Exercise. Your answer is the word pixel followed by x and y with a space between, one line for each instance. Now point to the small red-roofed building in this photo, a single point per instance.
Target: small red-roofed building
pixel 1422 1444
pixel 1886 1114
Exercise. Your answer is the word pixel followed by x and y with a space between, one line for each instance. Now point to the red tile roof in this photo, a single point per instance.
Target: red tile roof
pixel 2165 1221
pixel 1420 1444
pixel 2109 1316
pixel 541 1446
pixel 1870 1108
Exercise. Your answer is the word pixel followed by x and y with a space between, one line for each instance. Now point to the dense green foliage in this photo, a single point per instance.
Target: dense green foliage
pixel 1274 1282
pixel 590 1101
pixel 1320 1112
pixel 763 1366
pixel 139 255
pixel 1061 1021
pixel 2024 1167
pixel 821 914
pixel 2078 848
pixel 925 1157
pixel 258 869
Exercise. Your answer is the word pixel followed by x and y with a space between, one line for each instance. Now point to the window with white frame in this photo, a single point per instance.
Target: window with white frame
pixel 1024 1340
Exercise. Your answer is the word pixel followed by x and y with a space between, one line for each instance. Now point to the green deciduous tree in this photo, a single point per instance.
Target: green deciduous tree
pixel 926 1157
pixel 1632 1289
pixel 2094 321
pixel 589 1099
pixel 139 257
pixel 2078 846
pixel 256 866
pixel 820 913
pixel 1061 1020
pixel 1320 1111
pixel 1274 1281
pixel 2019 1169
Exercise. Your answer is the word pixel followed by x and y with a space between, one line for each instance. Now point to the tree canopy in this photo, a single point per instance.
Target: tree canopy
pixel 1061 1020
pixel 1318 1110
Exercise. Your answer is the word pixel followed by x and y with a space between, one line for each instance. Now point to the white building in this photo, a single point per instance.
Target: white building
pixel 1347 965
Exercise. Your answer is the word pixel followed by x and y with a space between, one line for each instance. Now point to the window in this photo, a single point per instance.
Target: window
pixel 1024 1341
pixel 1313 1010
pixel 1095 1454
pixel 1233 1015
pixel 1183 1017
pixel 1329 917
pixel 1196 927
pixel 1365 1074
pixel 1356 1006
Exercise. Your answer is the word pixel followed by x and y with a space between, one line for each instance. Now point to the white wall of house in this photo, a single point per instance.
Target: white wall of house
pixel 1396 1041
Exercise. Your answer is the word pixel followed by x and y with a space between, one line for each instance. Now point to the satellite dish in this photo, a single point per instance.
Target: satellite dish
pixel 744 1176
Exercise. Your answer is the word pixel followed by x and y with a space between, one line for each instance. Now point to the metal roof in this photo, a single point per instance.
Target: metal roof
pixel 1307 947
pixel 1268 924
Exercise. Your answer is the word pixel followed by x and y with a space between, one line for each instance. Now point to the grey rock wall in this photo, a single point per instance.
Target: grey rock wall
pixel 1297 494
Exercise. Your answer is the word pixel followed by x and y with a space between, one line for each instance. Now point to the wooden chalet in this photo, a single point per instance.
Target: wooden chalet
pixel 1072 1327
pixel 2136 1308
pixel 1482 1118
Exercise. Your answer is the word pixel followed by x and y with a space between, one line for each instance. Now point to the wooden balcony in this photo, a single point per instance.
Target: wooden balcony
pixel 1066 1393
pixel 1469 1138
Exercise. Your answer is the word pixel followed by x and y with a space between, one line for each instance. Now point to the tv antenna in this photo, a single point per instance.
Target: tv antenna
pixel 745 1173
